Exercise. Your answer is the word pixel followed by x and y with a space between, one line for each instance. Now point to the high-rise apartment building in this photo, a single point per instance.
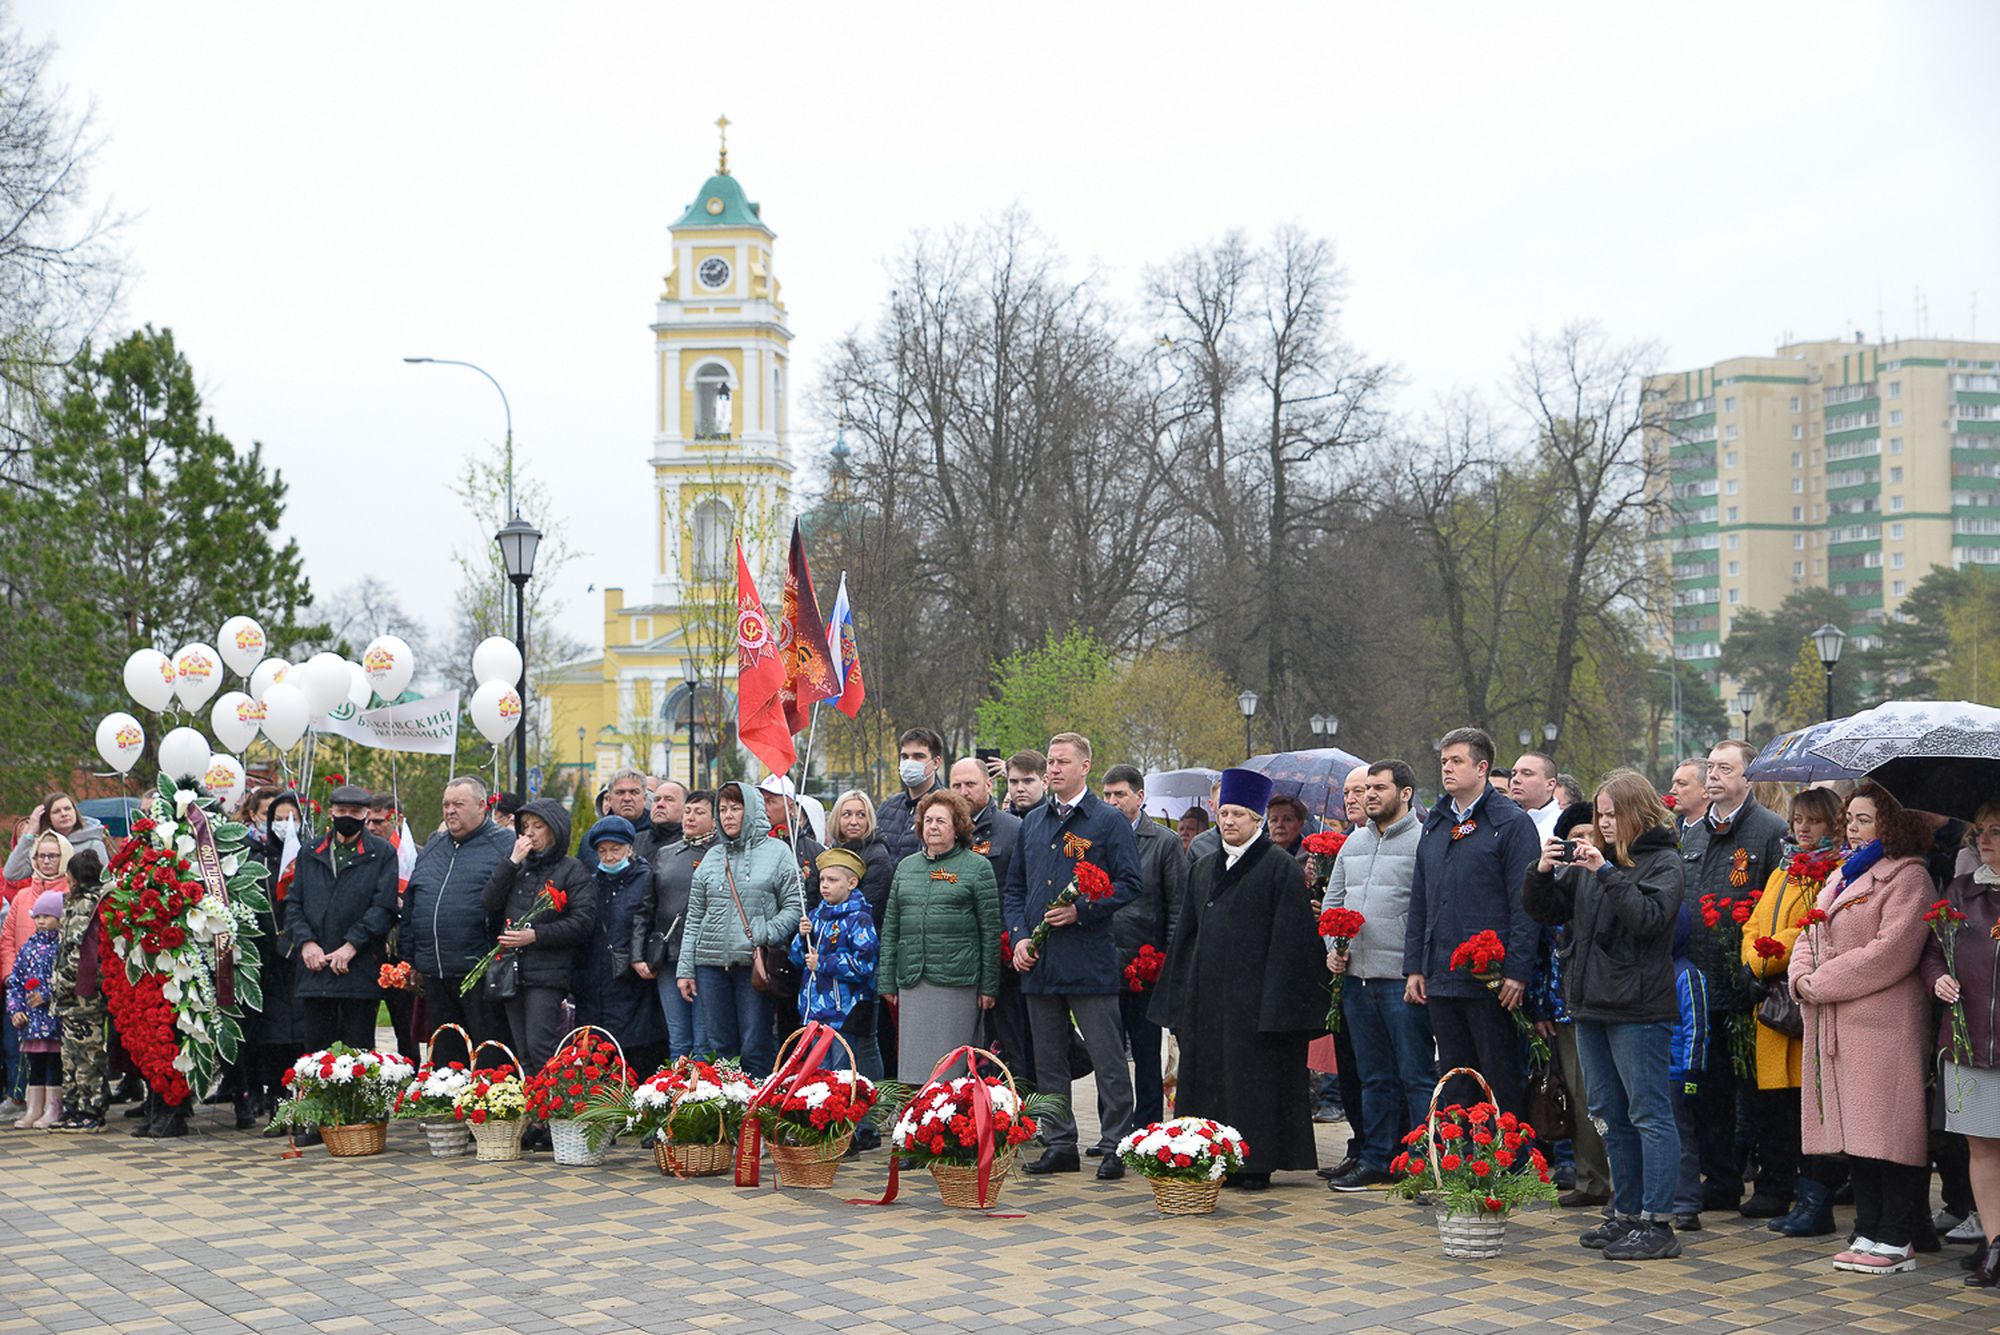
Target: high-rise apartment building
pixel 1854 466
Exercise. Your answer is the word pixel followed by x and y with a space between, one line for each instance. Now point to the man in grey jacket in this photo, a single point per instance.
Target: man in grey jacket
pixel 1392 1038
pixel 445 928
pixel 1147 921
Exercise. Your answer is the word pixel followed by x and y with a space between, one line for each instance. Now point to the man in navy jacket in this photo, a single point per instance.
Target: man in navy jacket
pixel 1077 972
pixel 1472 859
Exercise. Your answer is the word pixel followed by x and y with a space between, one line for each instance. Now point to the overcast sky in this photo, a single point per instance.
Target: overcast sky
pixel 319 191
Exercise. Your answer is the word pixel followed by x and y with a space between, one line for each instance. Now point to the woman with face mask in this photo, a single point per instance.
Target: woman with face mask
pixel 273 1037
pixel 608 993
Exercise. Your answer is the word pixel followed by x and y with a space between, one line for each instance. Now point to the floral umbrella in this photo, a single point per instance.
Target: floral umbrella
pixel 1314 777
pixel 1938 729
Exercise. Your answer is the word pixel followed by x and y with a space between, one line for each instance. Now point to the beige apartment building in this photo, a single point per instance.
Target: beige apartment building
pixel 1856 466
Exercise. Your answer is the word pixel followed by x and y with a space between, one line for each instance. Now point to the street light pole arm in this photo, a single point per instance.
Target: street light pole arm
pixel 506 410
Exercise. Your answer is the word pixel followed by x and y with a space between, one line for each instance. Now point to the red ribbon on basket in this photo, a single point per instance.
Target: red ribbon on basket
pixel 802 1064
pixel 982 1122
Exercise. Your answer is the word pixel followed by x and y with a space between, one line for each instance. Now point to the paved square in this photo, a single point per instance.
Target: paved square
pixel 219 1233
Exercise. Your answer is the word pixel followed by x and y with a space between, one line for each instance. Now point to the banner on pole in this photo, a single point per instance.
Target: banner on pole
pixel 428 726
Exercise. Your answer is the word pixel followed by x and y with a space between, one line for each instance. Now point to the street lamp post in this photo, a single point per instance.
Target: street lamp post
pixel 1525 738
pixel 1318 722
pixel 1746 705
pixel 1332 726
pixel 580 766
pixel 691 673
pixel 1549 731
pixel 1247 702
pixel 1829 640
pixel 518 541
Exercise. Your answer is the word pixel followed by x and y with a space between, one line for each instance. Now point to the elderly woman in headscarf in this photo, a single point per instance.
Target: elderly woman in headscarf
pixel 608 993
pixel 48 855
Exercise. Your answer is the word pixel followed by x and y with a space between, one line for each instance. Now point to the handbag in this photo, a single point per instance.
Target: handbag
pixel 656 947
pixel 1548 1103
pixel 771 970
pixel 1779 1010
pixel 503 977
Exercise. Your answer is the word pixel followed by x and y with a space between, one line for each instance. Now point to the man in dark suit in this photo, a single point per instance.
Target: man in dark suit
pixel 1147 921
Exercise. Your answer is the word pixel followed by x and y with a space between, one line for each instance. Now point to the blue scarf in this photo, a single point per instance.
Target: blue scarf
pixel 1859 861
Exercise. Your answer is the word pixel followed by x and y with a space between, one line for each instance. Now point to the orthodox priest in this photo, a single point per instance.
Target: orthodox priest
pixel 1244 987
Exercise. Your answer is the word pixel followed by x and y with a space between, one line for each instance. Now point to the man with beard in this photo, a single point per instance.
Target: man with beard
pixel 1243 988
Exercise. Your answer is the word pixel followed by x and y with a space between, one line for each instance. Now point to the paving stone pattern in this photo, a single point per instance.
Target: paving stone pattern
pixel 218 1233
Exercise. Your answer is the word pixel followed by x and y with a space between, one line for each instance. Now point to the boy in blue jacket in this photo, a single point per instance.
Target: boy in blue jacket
pixel 1687 1057
pixel 836 947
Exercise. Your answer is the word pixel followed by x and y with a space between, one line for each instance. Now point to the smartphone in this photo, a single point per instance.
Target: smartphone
pixel 1568 851
pixel 985 753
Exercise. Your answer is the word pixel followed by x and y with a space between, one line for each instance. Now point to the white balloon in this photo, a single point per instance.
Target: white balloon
pixel 496 660
pixel 496 710
pixel 242 643
pixel 324 680
pixel 198 673
pixel 389 665
pixel 225 779
pixel 358 687
pixel 184 754
pixel 150 678
pixel 268 673
pixel 234 718
pixel 285 714
pixel 120 740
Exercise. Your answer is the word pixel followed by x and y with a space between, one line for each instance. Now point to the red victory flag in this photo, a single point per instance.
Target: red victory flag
pixel 802 642
pixel 760 677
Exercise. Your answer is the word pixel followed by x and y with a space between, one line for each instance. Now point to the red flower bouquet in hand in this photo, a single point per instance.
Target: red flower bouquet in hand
pixel 1088 881
pixel 1482 956
pixel 1768 948
pixel 1144 970
pixel 1944 921
pixel 1321 849
pixel 1341 925
pixel 552 900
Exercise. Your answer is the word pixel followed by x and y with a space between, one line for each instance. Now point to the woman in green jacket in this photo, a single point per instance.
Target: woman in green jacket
pixel 940 956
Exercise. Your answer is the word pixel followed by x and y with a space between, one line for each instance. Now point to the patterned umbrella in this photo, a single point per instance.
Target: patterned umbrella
pixel 1955 729
pixel 1788 759
pixel 1314 777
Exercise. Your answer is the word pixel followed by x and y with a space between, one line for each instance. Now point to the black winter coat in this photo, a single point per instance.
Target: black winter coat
pixel 1618 958
pixel 1163 869
pixel 608 994
pixel 1731 866
pixel 1082 958
pixel 446 927
pixel 881 871
pixel 996 834
pixel 1470 884
pixel 896 820
pixel 513 889
pixel 356 907
pixel 664 911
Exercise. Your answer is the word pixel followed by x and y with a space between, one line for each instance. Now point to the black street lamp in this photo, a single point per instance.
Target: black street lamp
pixel 1746 705
pixel 691 674
pixel 518 542
pixel 579 758
pixel 1829 640
pixel 1549 731
pixel 1247 702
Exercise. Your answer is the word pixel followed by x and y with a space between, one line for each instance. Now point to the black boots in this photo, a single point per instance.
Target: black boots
pixel 246 1112
pixel 1812 1217
pixel 1986 1267
pixel 161 1121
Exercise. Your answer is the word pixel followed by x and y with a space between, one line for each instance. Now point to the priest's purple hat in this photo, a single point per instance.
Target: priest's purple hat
pixel 1245 788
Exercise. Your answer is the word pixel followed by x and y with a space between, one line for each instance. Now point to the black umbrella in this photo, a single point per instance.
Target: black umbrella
pixel 1955 786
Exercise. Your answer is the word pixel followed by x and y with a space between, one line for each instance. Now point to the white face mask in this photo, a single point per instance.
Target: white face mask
pixel 284 829
pixel 911 772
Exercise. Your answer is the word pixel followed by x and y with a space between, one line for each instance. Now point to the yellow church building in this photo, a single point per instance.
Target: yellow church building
pixel 658 696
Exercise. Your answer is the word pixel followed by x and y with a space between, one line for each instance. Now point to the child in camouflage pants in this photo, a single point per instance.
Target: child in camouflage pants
pixel 80 999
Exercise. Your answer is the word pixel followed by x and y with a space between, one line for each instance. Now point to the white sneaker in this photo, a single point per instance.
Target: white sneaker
pixel 1967 1230
pixel 1944 1221
pixel 12 1108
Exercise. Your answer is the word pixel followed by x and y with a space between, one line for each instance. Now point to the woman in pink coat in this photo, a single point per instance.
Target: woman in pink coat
pixel 1867 1018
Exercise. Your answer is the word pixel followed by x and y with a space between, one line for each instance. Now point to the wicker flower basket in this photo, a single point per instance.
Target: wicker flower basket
pixel 1173 1196
pixel 447 1140
pixel 1472 1237
pixel 811 1166
pixel 572 1143
pixel 352 1142
pixel 958 1183
pixel 497 1142
pixel 706 1159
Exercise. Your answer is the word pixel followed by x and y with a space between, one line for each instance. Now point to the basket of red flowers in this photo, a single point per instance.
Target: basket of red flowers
pixel 588 1070
pixel 1475 1164
pixel 808 1114
pixel 967 1129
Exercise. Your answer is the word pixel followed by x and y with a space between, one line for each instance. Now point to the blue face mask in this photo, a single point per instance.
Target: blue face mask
pixel 615 867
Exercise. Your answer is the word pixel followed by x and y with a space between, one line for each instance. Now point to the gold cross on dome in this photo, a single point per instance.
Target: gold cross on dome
pixel 722 164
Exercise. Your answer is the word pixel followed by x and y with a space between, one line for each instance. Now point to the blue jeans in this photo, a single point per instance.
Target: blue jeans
pixel 1625 1067
pixel 1395 1059
pixel 735 1018
pixel 683 1017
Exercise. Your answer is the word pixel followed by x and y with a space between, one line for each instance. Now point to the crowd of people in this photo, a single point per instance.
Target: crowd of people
pixel 1733 982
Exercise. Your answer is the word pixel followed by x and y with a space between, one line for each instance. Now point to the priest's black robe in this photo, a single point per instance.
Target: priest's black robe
pixel 1244 989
